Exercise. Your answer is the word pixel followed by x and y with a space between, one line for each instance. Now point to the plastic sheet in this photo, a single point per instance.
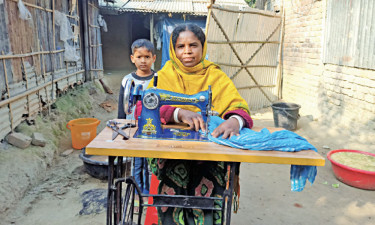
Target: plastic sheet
pixel 24 12
pixel 70 54
pixel 102 23
pixel 62 21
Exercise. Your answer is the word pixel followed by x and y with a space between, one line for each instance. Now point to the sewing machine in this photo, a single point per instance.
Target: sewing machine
pixel 149 123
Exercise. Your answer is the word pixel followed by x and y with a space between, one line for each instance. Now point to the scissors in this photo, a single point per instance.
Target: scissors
pixel 119 130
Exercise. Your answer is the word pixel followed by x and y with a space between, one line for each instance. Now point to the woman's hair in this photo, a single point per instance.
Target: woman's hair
pixel 198 32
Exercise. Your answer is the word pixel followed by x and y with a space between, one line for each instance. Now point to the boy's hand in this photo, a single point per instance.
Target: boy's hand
pixel 194 120
pixel 228 128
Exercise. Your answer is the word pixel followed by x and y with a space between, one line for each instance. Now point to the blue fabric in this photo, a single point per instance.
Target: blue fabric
pixel 141 165
pixel 168 25
pixel 283 140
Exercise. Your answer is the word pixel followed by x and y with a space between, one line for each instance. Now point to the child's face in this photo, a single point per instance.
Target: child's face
pixel 143 60
pixel 188 49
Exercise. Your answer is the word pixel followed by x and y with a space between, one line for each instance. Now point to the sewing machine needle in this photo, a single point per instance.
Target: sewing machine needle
pixel 206 129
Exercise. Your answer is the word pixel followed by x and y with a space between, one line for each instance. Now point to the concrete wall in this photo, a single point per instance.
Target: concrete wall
pixel 336 95
pixel 117 42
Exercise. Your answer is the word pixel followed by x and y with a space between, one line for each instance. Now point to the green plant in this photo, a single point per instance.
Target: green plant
pixel 251 3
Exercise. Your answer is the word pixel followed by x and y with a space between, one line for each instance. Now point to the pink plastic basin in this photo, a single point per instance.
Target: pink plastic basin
pixel 354 177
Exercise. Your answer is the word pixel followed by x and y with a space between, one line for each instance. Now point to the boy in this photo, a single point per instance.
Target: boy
pixel 143 56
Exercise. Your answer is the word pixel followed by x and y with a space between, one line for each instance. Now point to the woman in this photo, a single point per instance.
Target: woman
pixel 189 73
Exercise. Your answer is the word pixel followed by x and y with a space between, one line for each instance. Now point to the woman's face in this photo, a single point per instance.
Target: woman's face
pixel 188 48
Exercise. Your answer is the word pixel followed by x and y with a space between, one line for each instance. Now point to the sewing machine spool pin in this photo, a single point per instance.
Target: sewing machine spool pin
pixel 155 80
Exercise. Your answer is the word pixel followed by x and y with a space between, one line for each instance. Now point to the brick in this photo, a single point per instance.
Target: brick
pixel 370 98
pixel 371 83
pixel 38 139
pixel 372 91
pixel 67 152
pixel 348 92
pixel 361 81
pixel 336 102
pixel 19 140
pixel 359 95
pixel 370 74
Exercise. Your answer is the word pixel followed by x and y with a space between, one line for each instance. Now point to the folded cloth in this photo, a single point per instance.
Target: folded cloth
pixel 264 140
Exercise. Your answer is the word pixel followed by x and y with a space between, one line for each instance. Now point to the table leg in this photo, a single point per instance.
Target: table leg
pixel 111 160
pixel 118 190
pixel 230 191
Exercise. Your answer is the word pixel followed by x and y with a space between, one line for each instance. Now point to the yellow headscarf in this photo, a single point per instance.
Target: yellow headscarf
pixel 176 77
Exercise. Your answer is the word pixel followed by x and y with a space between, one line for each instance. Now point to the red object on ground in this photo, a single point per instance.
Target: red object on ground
pixel 152 214
pixel 354 177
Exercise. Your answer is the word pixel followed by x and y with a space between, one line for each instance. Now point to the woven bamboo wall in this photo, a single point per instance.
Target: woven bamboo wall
pixel 32 67
pixel 245 43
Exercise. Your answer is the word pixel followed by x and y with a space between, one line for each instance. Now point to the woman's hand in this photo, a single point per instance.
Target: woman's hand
pixel 194 120
pixel 228 128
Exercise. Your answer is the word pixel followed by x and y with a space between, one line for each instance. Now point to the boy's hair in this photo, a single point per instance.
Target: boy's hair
pixel 143 43
pixel 198 32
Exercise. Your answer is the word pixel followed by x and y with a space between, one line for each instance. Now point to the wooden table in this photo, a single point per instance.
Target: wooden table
pixel 189 150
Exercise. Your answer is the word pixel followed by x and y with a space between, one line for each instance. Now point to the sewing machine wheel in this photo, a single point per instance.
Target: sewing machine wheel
pixel 129 100
pixel 151 101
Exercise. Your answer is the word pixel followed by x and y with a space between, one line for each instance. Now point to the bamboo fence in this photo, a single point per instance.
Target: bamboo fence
pixel 33 72
pixel 246 44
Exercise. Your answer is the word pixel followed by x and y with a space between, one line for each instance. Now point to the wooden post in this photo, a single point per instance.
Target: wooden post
pixel 44 77
pixel 53 24
pixel 7 87
pixel 36 79
pixel 93 50
pixel 152 33
pixel 27 85
pixel 61 61
pixel 54 49
pixel 79 40
pixel 280 57
pixel 86 39
pixel 67 72
pixel 208 17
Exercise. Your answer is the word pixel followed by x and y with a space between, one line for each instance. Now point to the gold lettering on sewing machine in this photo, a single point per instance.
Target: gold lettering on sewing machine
pixel 183 134
pixel 167 97
pixel 149 128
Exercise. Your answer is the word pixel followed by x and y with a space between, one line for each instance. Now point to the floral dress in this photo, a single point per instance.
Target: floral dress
pixel 194 178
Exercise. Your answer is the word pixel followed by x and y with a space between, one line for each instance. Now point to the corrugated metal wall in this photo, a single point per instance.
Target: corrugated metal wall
pixel 350 33
pixel 191 7
pixel 32 67
pixel 245 43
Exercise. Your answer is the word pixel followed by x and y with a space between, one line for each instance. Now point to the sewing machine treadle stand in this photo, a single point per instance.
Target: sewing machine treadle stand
pixel 123 208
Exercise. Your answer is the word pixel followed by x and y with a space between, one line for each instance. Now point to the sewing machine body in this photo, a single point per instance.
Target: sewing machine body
pixel 149 123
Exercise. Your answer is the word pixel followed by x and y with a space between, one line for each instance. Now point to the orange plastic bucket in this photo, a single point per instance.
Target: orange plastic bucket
pixel 83 131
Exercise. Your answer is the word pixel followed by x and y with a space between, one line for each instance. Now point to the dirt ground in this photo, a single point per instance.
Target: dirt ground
pixel 265 188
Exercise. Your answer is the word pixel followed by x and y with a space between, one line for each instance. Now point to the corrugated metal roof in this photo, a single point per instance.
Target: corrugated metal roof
pixel 195 7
